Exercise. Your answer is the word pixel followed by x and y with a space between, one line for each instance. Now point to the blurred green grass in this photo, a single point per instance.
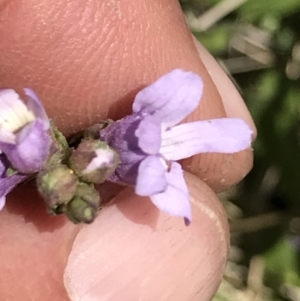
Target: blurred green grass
pixel 258 43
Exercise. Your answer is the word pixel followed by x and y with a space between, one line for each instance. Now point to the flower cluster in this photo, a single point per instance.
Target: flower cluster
pixel 140 150
pixel 31 146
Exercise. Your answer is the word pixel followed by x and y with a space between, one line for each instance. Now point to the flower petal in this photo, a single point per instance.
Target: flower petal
pixel 126 173
pixel 151 177
pixel 3 164
pixel 2 202
pixel 224 135
pixel 120 136
pixel 149 135
pixel 171 98
pixel 175 200
pixel 35 105
pixel 31 150
pixel 7 183
pixel 103 158
pixel 7 136
pixel 14 114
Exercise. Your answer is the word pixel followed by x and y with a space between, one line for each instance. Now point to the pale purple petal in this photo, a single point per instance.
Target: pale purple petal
pixel 103 158
pixel 175 200
pixel 171 98
pixel 31 150
pixel 35 105
pixel 120 136
pixel 7 136
pixel 3 164
pixel 224 135
pixel 149 135
pixel 13 112
pixel 8 98
pixel 151 177
pixel 126 173
pixel 7 183
pixel 2 202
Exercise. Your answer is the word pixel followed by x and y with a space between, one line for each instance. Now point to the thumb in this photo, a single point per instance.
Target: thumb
pixel 135 252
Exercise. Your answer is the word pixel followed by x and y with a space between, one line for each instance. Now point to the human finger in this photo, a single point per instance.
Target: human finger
pixel 135 252
pixel 88 59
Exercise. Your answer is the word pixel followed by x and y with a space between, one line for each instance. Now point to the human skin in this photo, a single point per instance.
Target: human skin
pixel 87 60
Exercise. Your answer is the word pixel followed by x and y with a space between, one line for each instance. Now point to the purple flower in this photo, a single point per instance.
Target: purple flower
pixel 25 138
pixel 149 141
pixel 7 181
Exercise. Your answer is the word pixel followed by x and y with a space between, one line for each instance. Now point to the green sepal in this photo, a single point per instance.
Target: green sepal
pixel 60 150
pixel 10 172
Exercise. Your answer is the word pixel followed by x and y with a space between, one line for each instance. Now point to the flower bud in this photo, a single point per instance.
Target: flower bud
pixel 57 185
pixel 84 206
pixel 94 161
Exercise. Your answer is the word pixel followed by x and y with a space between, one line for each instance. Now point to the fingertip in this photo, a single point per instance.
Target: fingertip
pixel 134 252
pixel 220 171
pixel 234 104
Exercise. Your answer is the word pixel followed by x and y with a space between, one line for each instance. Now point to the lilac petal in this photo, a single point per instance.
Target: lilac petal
pixel 120 136
pixel 3 164
pixel 7 184
pixel 32 148
pixel 2 202
pixel 103 158
pixel 35 105
pixel 14 114
pixel 8 98
pixel 125 174
pixel 149 135
pixel 224 135
pixel 175 200
pixel 7 136
pixel 151 177
pixel 171 98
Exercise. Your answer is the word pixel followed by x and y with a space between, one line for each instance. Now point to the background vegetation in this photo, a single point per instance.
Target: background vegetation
pixel 258 44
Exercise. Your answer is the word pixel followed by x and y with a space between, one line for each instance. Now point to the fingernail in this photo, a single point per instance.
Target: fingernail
pixel 133 252
pixel 234 104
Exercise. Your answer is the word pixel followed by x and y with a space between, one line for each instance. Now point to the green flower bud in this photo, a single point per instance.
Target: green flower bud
pixel 57 185
pixel 94 161
pixel 79 211
pixel 84 206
